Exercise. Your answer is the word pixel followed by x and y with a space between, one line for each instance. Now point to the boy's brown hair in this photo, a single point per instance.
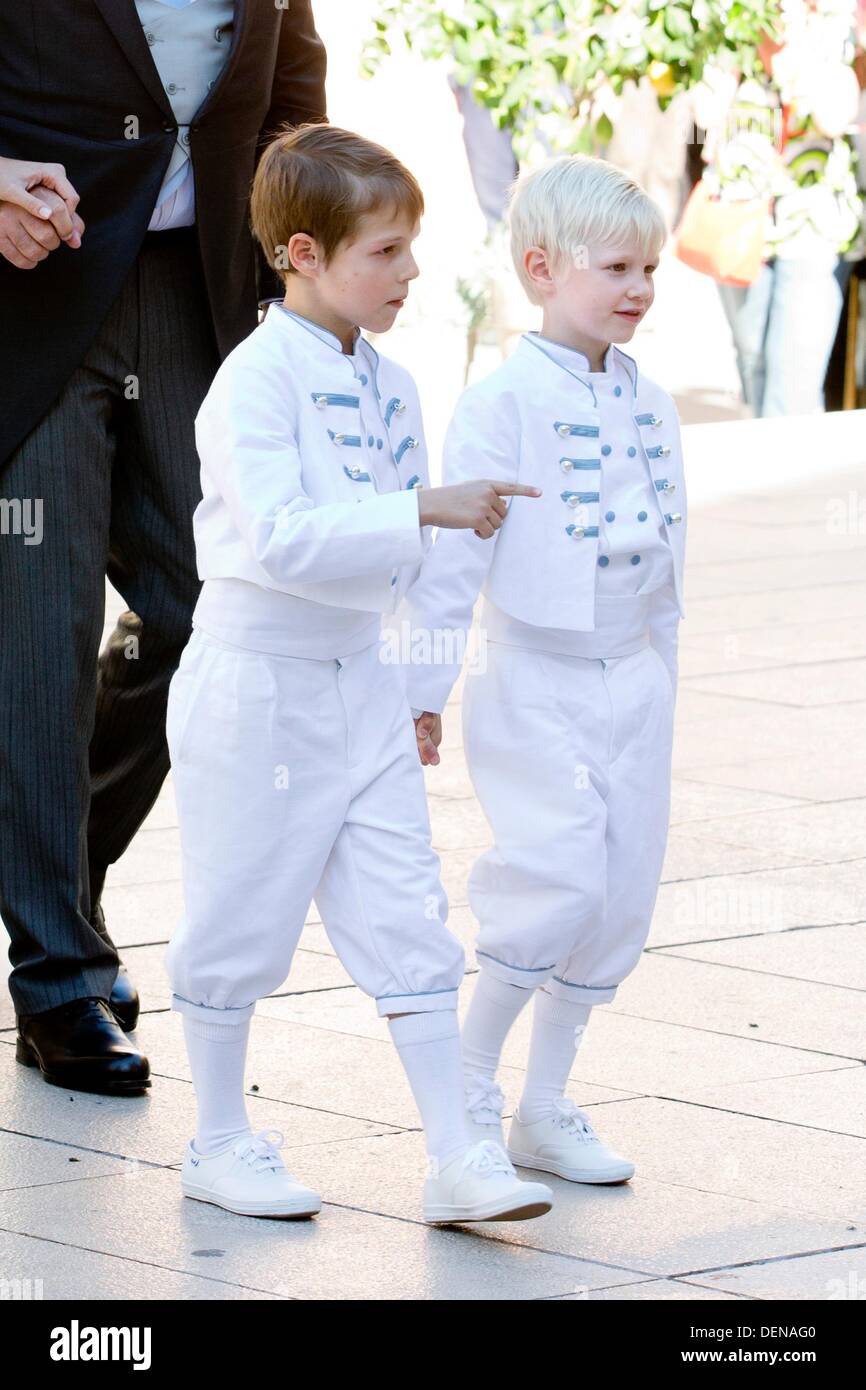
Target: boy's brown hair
pixel 322 180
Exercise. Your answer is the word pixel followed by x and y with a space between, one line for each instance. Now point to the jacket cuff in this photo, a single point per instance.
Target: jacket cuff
pixel 399 515
pixel 428 687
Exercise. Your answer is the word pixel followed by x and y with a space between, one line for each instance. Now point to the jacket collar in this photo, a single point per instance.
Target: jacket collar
pixel 280 312
pixel 320 342
pixel 576 363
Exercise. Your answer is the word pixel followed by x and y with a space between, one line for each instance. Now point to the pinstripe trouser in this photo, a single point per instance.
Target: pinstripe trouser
pixel 82 734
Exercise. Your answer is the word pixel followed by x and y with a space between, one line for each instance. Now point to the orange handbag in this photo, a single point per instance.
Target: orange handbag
pixel 727 240
pixel 723 239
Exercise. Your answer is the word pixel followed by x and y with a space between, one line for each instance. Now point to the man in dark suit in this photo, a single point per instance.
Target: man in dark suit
pixel 137 123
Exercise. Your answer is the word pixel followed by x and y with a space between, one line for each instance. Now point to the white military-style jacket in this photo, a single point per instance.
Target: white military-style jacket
pixel 536 422
pixel 309 481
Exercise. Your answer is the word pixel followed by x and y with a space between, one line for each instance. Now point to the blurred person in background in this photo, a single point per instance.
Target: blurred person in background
pixel 785 136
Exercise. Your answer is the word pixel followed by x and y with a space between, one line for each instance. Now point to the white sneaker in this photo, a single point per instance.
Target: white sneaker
pixel 566 1143
pixel 247 1177
pixel 484 1106
pixel 481 1185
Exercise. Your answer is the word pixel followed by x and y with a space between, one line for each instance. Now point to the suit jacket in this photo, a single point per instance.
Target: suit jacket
pixel 72 73
pixel 533 422
pixel 290 497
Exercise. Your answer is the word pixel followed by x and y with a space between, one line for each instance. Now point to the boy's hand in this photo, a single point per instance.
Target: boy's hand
pixel 476 506
pixel 428 732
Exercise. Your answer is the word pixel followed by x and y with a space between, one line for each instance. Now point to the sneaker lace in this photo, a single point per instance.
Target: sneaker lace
pixel 487 1157
pixel 573 1120
pixel 260 1151
pixel 484 1094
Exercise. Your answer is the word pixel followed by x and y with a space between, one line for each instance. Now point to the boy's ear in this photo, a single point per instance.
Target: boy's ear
pixel 537 267
pixel 303 254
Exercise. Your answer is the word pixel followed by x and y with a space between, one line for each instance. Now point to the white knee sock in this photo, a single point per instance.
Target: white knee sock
pixel 557 1028
pixel 429 1048
pixel 217 1054
pixel 494 1007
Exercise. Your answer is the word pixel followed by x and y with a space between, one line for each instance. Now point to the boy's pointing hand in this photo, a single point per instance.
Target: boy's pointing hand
pixel 476 506
pixel 428 732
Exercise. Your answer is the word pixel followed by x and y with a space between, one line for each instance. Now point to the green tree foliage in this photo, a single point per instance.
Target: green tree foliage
pixel 542 66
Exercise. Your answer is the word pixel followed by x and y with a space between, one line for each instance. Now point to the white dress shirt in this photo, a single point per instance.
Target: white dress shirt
pixel 189 41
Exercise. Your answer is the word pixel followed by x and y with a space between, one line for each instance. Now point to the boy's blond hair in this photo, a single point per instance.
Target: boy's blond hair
pixel 322 180
pixel 573 202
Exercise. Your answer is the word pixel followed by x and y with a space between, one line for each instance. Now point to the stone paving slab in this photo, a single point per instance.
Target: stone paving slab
pixel 326 1071
pixel 351 1016
pixel 459 825
pixel 832 1275
pixel 142 913
pixel 757 904
pixel 821 683
pixel 829 832
pixel 163 813
pixel 702 707
pixel 622 1053
pixel 355 1078
pixel 153 857
pixel 153 1128
pixel 774 645
pixel 694 802
pixel 649 1290
pixel 28 1162
pixel 65 1272
pixel 650 1226
pixel 795 1167
pixel 822 776
pixel 694 851
pixel 818 955
pixel 336 1255
pixel 721 537
pixel 789 1012
pixel 769 736
pixel 827 1098
pixel 762 728
pixel 729 653
pixel 751 605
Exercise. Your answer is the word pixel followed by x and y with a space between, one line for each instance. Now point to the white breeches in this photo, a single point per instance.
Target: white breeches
pixel 298 780
pixel 571 760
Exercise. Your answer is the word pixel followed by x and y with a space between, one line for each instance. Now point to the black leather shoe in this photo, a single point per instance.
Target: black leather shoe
pixel 79 1045
pixel 123 1000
